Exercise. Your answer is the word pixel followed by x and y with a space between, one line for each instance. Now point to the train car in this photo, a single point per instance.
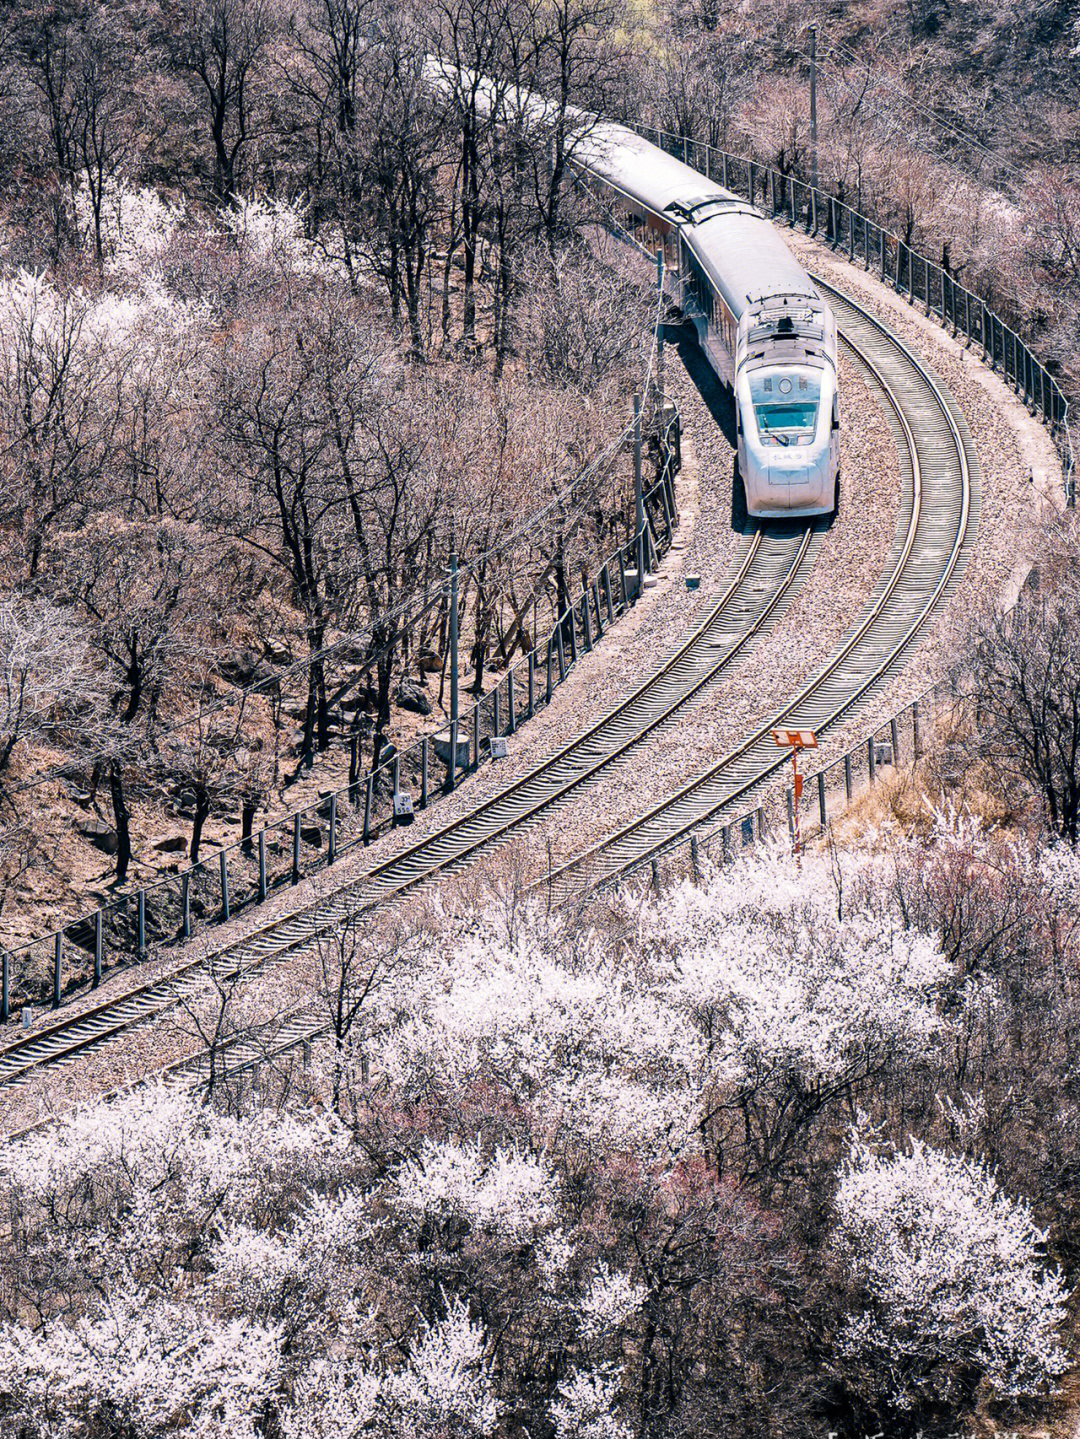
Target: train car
pixel 765 330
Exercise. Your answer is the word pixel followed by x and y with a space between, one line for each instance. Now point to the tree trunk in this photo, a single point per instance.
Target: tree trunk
pixel 247 820
pixel 121 820
pixel 202 809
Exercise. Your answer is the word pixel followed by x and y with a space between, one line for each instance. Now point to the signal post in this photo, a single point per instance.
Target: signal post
pixel 796 740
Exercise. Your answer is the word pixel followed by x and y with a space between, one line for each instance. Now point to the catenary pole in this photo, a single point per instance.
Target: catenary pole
pixel 452 777
pixel 813 108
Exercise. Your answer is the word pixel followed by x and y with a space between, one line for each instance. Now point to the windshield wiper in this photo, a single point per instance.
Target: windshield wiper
pixel 783 439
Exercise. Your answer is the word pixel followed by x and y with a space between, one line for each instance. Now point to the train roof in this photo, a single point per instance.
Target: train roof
pixel 642 170
pixel 747 260
pixel 739 250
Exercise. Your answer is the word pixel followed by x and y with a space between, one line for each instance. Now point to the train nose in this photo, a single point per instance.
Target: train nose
pixel 791 486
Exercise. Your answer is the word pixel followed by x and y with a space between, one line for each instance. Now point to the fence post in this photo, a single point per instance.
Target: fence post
pixel 894 735
pixel 98 947
pixel 790 797
pixel 596 602
pixel 511 715
pixel 847 777
pixel 547 699
pixel 586 624
pixel 423 772
pixel 761 822
pixel 725 837
pixel 262 865
pixel 140 923
pixel 607 594
pixel 367 800
pixel 622 577
pixel 5 988
pixel 562 656
pixel 870 759
pixel 331 840
pixel 655 875
pixel 822 811
pixel 694 864
pixel 185 904
pixel 532 685
pixel 223 865
pixel 915 729
pixel 476 735
pixel 296 842
pixel 58 965
pixel 572 612
pixel 496 712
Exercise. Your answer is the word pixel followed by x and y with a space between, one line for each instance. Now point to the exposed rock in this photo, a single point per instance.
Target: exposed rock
pixel 409 695
pixel 311 834
pixel 171 844
pixel 429 661
pixel 101 835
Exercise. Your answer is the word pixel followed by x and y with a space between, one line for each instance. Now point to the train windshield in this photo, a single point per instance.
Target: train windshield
pixel 785 407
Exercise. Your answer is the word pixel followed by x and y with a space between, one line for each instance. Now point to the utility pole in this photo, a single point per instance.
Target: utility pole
pixel 639 502
pixel 660 327
pixel 452 777
pixel 813 108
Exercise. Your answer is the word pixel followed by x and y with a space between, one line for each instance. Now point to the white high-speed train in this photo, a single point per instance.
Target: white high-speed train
pixel 763 326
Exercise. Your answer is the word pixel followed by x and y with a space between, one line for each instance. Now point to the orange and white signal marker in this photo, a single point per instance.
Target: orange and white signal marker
pixel 795 740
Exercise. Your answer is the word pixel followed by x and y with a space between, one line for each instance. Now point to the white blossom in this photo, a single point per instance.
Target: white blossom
pixel 136 224
pixel 510 1193
pixel 161 1366
pixel 333 1399
pixel 587 1403
pixel 445 1385
pixel 952 1273
pixel 611 1299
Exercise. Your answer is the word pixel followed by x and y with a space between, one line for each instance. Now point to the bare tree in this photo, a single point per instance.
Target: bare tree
pixel 44 669
pixel 1022 686
pixel 219 45
pixel 355 960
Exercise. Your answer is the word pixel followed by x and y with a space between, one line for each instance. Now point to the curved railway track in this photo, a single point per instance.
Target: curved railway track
pixel 770 568
pixel 936 532
pixel 927 559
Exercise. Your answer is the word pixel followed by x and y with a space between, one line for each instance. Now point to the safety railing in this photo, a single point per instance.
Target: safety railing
pixel 909 273
pixel 285 851
pixel 828 792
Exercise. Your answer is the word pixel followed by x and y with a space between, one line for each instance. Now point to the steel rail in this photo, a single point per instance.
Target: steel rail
pixel 770 567
pixel 698 802
pixel 306 1023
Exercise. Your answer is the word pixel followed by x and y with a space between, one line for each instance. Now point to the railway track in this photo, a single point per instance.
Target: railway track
pixel 927 561
pixel 770 566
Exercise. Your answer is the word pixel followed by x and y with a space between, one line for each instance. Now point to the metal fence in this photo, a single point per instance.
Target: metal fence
pixel 899 739
pixel 288 849
pixel 910 274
